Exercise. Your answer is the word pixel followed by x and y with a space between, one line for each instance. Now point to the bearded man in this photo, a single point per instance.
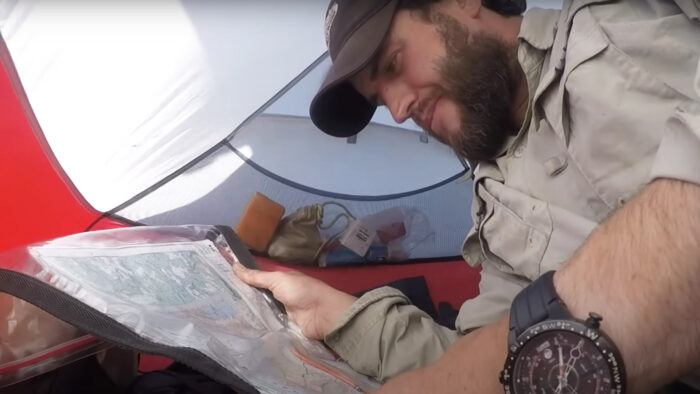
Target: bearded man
pixel 583 126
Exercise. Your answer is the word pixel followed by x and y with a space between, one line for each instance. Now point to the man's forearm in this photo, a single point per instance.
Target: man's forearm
pixel 470 365
pixel 641 271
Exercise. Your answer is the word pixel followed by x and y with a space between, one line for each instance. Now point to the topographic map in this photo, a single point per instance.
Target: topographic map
pixel 185 294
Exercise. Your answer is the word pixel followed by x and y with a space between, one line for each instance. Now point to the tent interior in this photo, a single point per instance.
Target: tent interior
pixel 178 111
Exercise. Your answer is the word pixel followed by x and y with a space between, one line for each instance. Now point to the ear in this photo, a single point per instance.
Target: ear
pixel 471 8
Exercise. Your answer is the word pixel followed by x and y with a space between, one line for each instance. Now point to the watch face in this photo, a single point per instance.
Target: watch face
pixel 562 362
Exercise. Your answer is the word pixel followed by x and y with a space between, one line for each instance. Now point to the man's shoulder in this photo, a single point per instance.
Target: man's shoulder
pixel 659 37
pixel 625 11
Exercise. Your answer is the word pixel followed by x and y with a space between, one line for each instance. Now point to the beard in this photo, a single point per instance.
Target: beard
pixel 480 75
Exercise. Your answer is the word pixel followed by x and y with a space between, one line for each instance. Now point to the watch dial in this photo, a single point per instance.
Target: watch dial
pixel 561 362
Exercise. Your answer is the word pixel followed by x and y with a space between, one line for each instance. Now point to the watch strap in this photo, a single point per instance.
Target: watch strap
pixel 537 302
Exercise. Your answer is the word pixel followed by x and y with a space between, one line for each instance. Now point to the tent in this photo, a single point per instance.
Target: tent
pixel 152 113
pixel 178 111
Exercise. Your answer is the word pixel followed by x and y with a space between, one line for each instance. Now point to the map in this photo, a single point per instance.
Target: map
pixel 185 294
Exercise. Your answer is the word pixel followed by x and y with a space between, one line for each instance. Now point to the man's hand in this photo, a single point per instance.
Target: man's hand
pixel 311 304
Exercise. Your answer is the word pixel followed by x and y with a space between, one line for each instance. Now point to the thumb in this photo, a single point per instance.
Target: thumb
pixel 253 277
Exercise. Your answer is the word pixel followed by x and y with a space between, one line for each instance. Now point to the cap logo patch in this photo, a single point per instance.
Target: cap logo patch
pixel 330 16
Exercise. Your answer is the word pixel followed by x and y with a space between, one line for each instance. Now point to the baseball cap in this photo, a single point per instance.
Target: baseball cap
pixel 354 31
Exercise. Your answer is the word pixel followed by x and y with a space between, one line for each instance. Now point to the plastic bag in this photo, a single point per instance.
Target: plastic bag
pixel 387 236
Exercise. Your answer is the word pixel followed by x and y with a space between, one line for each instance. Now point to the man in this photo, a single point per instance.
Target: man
pixel 580 120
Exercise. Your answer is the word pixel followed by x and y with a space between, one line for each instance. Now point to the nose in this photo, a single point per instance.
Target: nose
pixel 400 100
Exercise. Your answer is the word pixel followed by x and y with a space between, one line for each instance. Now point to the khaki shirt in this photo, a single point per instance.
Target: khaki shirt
pixel 614 103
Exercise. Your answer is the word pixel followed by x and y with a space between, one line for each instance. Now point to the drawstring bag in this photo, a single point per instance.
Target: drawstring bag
pixel 298 237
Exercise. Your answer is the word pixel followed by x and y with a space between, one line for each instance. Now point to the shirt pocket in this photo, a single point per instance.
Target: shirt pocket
pixel 613 112
pixel 585 42
pixel 515 232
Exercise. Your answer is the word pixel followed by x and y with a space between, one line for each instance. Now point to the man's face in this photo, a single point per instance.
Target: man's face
pixel 455 85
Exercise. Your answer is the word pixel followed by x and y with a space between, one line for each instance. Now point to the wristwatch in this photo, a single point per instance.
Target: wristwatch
pixel 549 351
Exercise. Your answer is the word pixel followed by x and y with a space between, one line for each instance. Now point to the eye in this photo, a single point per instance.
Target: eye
pixel 393 64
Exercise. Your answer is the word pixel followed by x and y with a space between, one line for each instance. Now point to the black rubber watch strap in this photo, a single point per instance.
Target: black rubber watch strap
pixel 537 302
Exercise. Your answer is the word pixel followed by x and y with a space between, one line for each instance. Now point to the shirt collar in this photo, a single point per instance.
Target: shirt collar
pixel 539 27
pixel 537 30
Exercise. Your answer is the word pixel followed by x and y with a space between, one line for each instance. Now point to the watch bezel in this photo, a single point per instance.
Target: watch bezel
pixel 605 345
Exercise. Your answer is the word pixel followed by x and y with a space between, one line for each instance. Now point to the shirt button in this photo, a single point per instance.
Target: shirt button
pixel 555 165
pixel 519 151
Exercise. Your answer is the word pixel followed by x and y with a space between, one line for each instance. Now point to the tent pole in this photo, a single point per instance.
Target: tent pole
pixel 279 94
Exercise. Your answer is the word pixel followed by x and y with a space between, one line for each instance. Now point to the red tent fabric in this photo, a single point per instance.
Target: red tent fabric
pixel 38 201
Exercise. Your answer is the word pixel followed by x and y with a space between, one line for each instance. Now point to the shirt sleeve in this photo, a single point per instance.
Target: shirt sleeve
pixel 678 156
pixel 382 335
pixel 497 290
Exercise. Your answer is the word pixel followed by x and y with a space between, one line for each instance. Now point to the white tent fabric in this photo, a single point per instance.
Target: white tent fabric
pixel 293 149
pixel 127 92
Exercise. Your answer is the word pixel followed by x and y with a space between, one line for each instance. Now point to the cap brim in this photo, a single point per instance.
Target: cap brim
pixel 338 109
